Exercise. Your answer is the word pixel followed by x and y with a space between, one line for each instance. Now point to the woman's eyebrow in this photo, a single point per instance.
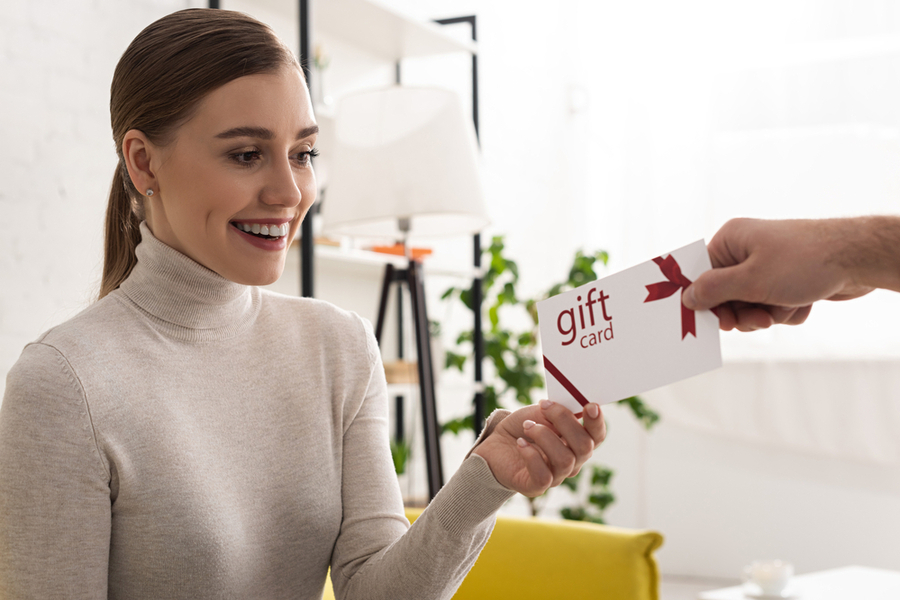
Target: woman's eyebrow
pixel 262 133
pixel 312 129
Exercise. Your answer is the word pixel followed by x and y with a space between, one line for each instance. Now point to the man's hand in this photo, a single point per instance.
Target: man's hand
pixel 768 272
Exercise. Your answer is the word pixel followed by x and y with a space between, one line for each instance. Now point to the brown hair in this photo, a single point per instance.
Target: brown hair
pixel 162 76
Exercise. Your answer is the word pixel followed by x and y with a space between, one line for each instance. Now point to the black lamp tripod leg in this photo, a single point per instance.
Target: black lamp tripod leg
pixel 382 304
pixel 426 380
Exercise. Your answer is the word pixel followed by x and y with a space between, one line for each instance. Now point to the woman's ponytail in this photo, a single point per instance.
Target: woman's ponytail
pixel 122 234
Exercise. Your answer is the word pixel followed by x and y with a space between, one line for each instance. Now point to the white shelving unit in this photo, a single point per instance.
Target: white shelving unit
pixel 382 32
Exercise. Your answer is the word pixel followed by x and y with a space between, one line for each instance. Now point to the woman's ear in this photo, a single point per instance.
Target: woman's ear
pixel 137 152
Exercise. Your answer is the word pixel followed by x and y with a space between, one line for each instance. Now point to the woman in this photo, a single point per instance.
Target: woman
pixel 192 436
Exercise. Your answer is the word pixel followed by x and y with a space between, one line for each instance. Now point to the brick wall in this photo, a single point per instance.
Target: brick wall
pixel 56 154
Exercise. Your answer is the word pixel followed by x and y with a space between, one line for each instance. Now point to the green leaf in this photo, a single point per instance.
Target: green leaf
pixel 498 264
pixel 526 339
pixel 491 401
pixel 494 317
pixel 400 455
pixel 454 360
pixel 531 307
pixel 508 295
pixel 513 269
pixel 572 482
pixel 641 411
pixel 457 425
pixel 601 476
pixel 601 500
pixel 574 513
pixel 465 297
pixel 465 336
pixel 555 290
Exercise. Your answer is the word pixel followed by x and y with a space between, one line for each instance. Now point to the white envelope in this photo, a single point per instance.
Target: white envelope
pixel 628 333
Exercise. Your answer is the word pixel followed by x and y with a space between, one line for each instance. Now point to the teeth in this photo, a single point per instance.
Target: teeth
pixel 270 230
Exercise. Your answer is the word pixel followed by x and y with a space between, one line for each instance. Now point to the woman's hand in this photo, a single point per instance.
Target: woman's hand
pixel 536 447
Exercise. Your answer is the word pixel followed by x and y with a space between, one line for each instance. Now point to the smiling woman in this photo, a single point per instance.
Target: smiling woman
pixel 229 167
pixel 190 435
pixel 162 81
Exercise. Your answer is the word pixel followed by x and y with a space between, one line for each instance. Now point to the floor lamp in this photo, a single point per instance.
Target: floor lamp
pixel 404 165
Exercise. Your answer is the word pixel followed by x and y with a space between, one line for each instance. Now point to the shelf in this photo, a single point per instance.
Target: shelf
pixel 383 32
pixel 349 255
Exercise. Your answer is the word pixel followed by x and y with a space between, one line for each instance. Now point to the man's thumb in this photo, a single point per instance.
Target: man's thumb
pixel 715 287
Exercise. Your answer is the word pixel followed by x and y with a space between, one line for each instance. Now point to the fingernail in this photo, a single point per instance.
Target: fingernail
pixel 521 442
pixel 545 404
pixel 592 410
pixel 528 424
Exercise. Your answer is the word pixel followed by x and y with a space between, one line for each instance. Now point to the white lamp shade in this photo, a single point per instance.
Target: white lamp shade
pixel 403 153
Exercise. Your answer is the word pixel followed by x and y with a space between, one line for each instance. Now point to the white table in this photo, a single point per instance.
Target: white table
pixel 846 583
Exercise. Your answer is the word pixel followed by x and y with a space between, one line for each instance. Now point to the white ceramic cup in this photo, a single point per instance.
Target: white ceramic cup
pixel 770 576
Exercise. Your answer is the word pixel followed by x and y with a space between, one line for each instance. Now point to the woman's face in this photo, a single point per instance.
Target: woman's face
pixel 241 162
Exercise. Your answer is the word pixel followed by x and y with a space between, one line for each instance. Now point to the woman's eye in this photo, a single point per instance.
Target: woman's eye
pixel 245 158
pixel 304 157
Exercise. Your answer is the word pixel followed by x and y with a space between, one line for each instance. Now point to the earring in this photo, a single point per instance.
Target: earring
pixel 149 191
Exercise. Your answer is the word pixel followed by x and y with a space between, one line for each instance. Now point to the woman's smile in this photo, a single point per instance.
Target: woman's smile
pixel 267 234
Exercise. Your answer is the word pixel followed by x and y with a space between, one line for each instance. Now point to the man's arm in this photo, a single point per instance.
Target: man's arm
pixel 768 272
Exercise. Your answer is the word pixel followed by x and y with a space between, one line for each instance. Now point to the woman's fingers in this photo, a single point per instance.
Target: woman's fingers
pixel 551 442
pixel 538 471
pixel 594 423
pixel 559 458
pixel 565 443
pixel 582 438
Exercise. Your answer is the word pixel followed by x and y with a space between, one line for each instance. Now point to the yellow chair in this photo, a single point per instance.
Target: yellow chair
pixel 538 559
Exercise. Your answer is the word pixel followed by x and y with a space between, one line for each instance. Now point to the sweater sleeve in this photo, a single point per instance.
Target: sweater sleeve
pixel 376 556
pixel 54 487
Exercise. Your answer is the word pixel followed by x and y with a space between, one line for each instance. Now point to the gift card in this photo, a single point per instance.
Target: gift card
pixel 628 333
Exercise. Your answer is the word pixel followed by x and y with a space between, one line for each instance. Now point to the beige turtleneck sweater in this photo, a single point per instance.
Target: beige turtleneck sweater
pixel 189 437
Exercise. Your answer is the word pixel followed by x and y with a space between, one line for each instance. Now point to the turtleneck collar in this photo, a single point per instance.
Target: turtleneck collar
pixel 191 301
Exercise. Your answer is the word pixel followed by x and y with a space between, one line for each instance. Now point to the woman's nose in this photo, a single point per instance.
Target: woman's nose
pixel 282 186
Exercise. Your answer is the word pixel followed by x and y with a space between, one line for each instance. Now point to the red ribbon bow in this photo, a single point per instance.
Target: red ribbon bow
pixel 664 289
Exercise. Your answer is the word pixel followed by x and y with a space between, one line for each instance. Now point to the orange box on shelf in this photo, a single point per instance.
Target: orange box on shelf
pixel 399 250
